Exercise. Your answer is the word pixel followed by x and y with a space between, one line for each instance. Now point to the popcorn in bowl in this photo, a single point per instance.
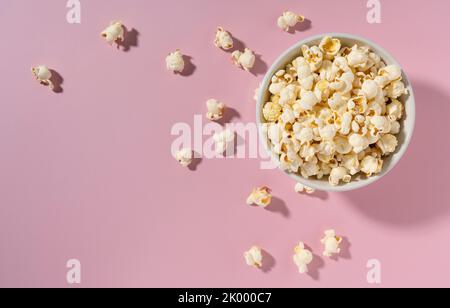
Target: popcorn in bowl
pixel 334 112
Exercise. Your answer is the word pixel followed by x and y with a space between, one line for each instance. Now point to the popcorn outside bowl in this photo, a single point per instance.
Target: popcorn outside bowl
pixel 408 121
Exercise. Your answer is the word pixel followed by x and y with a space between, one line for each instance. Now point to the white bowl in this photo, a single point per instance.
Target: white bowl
pixel 407 123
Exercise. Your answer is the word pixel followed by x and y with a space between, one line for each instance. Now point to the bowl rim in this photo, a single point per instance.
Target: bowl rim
pixel 389 59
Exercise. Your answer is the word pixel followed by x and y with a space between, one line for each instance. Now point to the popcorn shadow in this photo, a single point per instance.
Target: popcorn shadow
pixel 196 161
pixel 237 45
pixel 57 81
pixel 301 26
pixel 415 192
pixel 345 250
pixel 260 67
pixel 315 266
pixel 189 67
pixel 269 262
pixel 229 115
pixel 131 40
pixel 279 206
pixel 318 194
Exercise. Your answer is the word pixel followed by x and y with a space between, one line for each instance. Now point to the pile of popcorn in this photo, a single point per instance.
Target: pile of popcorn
pixel 334 112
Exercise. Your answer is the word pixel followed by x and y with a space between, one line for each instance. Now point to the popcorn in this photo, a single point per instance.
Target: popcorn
pixel 114 32
pixel 223 140
pixel 245 59
pixel 215 110
pixel 391 72
pixel 254 257
pixel 371 165
pixel 302 258
pixel 370 89
pixel 358 142
pixel 289 20
pixel 260 197
pixel 382 124
pixel 175 62
pixel 331 243
pixel 334 112
pixel 300 188
pixel 185 157
pixel 43 75
pixel 339 174
pixel 396 89
pixel 223 39
pixel 387 144
pixel 330 46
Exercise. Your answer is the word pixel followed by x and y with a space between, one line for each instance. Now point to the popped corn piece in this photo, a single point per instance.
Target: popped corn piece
pixel 260 196
pixel 387 144
pixel 289 20
pixel 175 62
pixel 223 39
pixel 370 89
pixel 314 56
pixel 215 110
pixel 302 258
pixel 358 57
pixel 391 72
pixel 300 188
pixel 371 165
pixel 331 243
pixel 245 60
pixel 339 174
pixel 272 112
pixel 254 257
pixel 43 75
pixel 184 157
pixel 396 89
pixel 395 110
pixel 358 142
pixel 223 140
pixel 114 32
pixel 308 100
pixel 382 124
pixel 330 46
pixel 395 128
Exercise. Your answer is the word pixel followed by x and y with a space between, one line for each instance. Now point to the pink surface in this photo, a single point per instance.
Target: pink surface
pixel 88 174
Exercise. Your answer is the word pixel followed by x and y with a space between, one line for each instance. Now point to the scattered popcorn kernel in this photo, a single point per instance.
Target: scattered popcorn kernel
pixel 185 157
pixel 300 188
pixel 223 39
pixel 114 32
pixel 289 20
pixel 254 257
pixel 223 140
pixel 43 75
pixel 245 59
pixel 260 197
pixel 302 258
pixel 331 243
pixel 215 110
pixel 175 62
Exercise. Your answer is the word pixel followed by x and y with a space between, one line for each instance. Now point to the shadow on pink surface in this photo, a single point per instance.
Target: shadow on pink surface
pixel 269 262
pixel 301 27
pixel 415 192
pixel 131 40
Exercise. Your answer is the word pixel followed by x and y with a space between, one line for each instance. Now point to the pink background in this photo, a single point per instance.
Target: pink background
pixel 88 174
